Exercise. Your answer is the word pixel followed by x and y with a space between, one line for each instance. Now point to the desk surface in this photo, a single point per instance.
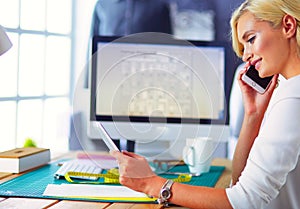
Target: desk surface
pixel 33 203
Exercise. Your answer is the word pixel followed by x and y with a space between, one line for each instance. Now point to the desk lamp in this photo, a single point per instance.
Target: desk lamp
pixel 5 43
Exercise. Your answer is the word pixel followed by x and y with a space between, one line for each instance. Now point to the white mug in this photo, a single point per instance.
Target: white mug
pixel 197 154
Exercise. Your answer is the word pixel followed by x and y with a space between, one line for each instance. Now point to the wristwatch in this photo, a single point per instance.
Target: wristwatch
pixel 165 193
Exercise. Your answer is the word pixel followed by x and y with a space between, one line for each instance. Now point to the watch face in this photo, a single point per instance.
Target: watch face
pixel 166 194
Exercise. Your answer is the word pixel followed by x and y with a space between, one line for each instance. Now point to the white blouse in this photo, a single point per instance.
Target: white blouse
pixel 271 178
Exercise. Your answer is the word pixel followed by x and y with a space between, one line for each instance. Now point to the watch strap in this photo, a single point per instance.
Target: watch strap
pixel 165 193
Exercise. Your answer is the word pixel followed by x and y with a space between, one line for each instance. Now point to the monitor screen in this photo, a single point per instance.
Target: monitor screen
pixel 155 89
pixel 170 81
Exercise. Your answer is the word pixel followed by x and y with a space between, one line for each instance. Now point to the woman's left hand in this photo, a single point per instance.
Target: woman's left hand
pixel 254 102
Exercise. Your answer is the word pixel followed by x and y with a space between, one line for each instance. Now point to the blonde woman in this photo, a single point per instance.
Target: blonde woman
pixel 266 166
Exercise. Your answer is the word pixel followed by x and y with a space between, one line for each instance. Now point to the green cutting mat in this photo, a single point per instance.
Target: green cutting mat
pixel 205 179
pixel 31 184
pixel 34 183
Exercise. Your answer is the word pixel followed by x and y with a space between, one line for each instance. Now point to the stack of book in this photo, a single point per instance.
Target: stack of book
pixel 22 159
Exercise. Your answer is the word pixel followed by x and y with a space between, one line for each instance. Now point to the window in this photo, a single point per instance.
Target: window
pixel 36 74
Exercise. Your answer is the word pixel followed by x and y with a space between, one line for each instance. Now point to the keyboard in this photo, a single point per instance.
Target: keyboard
pixel 85 166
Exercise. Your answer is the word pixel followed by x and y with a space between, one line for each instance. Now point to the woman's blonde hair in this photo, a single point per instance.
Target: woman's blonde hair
pixel 271 11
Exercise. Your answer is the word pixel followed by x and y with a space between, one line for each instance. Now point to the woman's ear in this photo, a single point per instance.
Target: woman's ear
pixel 289 24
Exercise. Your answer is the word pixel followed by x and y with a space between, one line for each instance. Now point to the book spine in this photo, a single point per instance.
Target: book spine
pixel 9 165
pixel 34 160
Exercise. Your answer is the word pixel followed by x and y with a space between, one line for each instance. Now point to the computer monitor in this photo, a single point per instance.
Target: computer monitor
pixel 152 87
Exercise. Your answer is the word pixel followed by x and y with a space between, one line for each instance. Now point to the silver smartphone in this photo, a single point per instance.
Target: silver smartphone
pixel 251 77
pixel 106 138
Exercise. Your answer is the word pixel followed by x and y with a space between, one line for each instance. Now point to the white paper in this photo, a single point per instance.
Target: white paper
pixel 86 190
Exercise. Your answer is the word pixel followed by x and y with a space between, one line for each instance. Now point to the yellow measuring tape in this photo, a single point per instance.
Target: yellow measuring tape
pixel 112 177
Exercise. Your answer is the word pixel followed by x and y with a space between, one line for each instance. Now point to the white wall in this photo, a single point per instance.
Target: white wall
pixel 84 10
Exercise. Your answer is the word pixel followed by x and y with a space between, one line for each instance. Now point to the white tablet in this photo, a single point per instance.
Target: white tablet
pixel 106 138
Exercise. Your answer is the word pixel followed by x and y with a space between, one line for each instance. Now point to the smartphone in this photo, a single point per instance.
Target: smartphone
pixel 106 138
pixel 251 77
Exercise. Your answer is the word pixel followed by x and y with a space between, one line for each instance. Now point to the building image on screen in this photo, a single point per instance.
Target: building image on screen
pixel 157 80
pixel 147 84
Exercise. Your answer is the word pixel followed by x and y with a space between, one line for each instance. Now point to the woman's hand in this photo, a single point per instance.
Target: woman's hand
pixel 135 172
pixel 255 105
pixel 254 102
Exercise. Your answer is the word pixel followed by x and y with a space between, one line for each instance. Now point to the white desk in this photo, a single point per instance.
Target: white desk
pixel 35 203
